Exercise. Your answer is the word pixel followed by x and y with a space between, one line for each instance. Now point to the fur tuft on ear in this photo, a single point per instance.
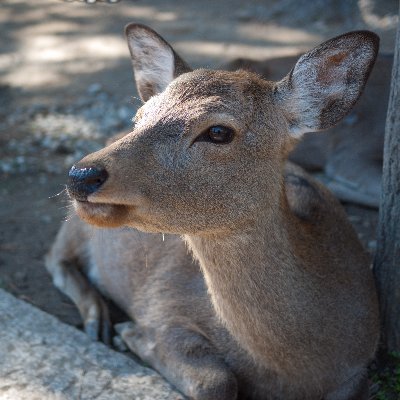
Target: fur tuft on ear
pixel 327 81
pixel 155 63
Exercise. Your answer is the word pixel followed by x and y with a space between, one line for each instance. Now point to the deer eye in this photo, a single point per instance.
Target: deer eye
pixel 217 134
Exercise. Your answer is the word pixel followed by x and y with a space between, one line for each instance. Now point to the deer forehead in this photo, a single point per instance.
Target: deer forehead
pixel 208 96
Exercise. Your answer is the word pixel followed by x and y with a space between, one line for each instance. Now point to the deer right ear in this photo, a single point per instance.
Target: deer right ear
pixel 155 63
pixel 327 81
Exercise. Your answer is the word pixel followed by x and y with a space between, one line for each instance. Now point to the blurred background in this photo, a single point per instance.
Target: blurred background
pixel 66 85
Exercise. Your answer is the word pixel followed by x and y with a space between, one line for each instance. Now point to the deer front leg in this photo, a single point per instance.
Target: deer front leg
pixel 184 357
pixel 62 264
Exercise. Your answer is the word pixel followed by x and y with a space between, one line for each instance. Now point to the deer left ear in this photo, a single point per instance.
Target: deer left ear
pixel 327 81
pixel 154 61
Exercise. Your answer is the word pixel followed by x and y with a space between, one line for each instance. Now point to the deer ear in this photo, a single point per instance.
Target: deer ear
pixel 327 81
pixel 155 63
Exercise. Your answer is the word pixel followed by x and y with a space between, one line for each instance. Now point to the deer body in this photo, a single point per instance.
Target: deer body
pixel 176 329
pixel 286 274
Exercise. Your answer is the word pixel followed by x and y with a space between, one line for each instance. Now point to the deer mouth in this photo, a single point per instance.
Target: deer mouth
pixel 101 214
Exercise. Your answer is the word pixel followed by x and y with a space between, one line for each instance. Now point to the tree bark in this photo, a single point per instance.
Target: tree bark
pixel 387 259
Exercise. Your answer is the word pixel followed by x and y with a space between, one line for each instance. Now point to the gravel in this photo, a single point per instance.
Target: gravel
pixel 51 138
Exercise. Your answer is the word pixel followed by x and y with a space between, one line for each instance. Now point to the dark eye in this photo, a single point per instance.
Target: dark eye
pixel 218 134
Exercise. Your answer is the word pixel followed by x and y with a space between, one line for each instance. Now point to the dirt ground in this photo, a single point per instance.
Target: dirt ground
pixel 66 85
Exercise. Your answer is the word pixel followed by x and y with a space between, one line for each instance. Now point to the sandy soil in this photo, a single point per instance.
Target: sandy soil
pixel 66 86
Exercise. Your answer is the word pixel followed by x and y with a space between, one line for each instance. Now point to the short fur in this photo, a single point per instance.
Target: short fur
pixel 295 302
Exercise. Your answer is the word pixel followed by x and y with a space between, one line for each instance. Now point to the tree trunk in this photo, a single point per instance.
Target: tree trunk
pixel 387 259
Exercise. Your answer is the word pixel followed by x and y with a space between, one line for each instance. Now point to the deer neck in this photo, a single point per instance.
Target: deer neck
pixel 247 274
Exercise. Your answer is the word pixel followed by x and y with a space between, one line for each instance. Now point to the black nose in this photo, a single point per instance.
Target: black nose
pixel 85 181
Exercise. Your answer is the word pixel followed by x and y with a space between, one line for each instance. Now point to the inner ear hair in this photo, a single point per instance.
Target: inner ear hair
pixel 154 61
pixel 327 81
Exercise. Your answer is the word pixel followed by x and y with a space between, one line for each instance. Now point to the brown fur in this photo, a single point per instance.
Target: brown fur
pixel 296 311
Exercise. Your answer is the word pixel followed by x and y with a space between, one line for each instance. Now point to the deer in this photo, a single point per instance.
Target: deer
pixel 258 287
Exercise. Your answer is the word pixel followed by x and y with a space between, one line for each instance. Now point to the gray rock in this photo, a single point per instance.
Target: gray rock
pixel 44 359
pixel 94 88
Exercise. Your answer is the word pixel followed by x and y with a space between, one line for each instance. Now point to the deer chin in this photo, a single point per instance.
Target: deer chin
pixel 106 215
pixel 100 214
